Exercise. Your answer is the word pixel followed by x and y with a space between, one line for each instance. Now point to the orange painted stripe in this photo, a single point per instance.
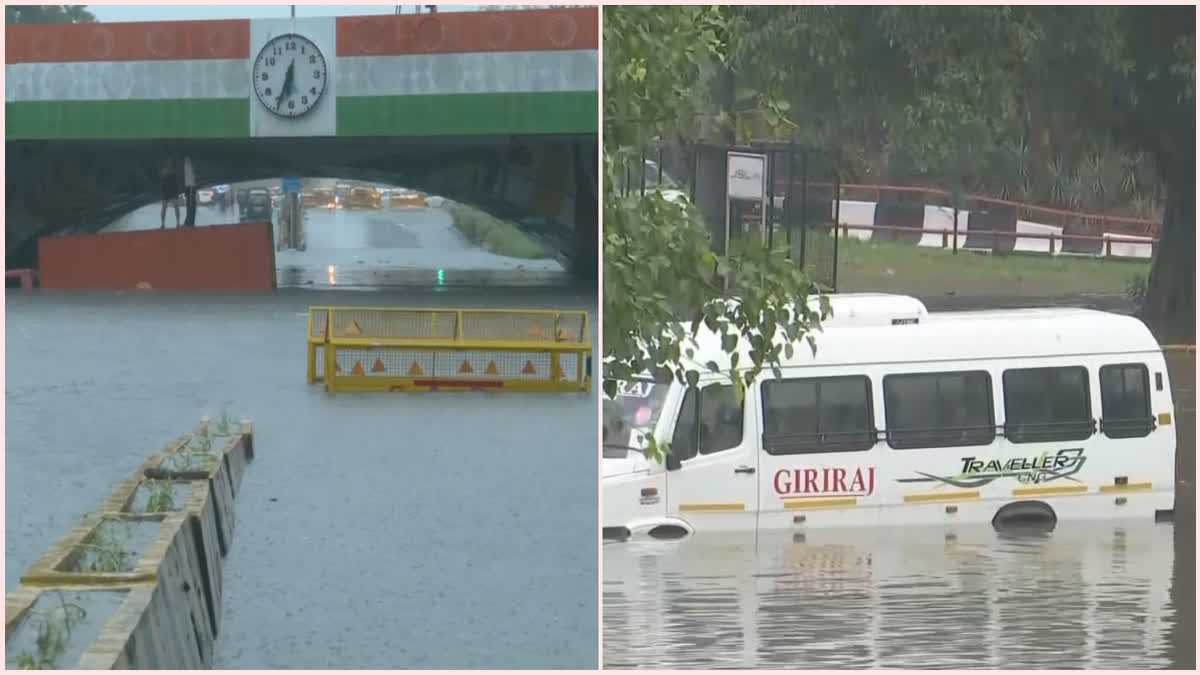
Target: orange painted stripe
pixel 132 41
pixel 462 32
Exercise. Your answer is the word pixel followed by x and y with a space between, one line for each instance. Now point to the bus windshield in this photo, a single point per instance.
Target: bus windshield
pixel 631 414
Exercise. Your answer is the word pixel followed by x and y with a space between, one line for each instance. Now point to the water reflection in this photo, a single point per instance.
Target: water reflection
pixel 1084 596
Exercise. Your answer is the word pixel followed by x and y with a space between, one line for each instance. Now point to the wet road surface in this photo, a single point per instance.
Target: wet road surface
pixel 369 249
pixel 373 531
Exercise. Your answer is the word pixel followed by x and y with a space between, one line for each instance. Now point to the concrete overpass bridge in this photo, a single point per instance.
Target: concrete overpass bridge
pixel 496 109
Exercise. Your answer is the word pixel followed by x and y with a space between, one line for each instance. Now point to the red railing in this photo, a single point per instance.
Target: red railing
pixel 25 274
pixel 949 240
pixel 1039 214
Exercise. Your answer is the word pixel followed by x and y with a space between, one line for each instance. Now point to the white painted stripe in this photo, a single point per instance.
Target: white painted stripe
pixel 1039 245
pixel 851 212
pixel 476 73
pixel 1131 249
pixel 939 220
pixel 124 80
pixel 936 218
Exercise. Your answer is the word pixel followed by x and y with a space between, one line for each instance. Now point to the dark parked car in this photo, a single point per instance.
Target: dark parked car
pixel 258 207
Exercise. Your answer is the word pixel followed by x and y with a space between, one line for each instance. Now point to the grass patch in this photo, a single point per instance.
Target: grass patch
pixel 494 234
pixel 866 265
pixel 924 271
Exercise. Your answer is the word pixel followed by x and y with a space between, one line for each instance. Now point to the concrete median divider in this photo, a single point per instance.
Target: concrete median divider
pixel 138 584
pixel 361 349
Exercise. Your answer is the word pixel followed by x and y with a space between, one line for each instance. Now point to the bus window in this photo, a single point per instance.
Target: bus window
pixel 1125 401
pixel 817 414
pixel 710 421
pixel 1047 404
pixel 939 410
pixel 631 416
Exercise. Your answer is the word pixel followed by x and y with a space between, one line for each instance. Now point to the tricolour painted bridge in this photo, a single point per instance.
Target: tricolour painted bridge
pixel 495 108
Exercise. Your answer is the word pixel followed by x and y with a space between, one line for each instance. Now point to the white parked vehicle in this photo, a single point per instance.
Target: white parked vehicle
pixel 204 197
pixel 904 417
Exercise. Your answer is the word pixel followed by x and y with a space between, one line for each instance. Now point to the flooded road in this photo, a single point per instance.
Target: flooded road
pixel 373 531
pixel 378 248
pixel 1093 596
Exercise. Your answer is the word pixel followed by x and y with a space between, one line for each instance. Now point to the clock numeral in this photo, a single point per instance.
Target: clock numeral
pixel 313 91
pixel 270 60
pixel 312 59
pixel 303 100
pixel 316 74
pixel 291 104
pixel 277 51
pixel 267 92
pixel 291 46
pixel 265 77
pixel 302 50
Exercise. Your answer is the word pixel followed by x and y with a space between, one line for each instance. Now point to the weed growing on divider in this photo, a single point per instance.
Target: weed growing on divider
pixel 162 496
pixel 224 424
pixel 196 455
pixel 52 635
pixel 105 548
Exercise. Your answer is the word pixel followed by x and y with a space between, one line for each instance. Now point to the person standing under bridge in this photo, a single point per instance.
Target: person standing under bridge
pixel 189 192
pixel 170 192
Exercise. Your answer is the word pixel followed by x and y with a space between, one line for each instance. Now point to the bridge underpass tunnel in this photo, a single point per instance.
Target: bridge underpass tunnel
pixel 357 213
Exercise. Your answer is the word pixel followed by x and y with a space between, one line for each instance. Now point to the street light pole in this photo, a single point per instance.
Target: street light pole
pixel 293 11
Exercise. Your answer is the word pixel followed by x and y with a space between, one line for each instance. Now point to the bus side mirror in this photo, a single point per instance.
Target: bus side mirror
pixel 672 462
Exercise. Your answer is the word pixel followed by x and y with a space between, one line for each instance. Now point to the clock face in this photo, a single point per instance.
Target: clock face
pixel 290 75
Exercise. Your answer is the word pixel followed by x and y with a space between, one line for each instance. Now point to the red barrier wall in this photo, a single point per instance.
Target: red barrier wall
pixel 211 258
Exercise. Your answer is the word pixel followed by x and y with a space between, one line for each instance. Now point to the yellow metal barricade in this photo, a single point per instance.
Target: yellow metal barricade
pixel 397 349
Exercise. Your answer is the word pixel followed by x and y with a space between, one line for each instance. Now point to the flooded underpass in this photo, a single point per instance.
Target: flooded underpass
pixel 452 530
pixel 1116 595
pixel 368 249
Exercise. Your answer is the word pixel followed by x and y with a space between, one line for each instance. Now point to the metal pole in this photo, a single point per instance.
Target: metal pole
pixel 803 206
pixel 769 206
pixel 788 205
pixel 955 247
pixel 837 217
pixel 293 11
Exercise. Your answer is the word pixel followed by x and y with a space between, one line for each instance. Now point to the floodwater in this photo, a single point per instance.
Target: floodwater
pixel 1095 596
pixel 448 530
pixel 371 249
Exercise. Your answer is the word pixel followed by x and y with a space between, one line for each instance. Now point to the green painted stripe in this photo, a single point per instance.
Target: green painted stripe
pixel 527 113
pixel 166 118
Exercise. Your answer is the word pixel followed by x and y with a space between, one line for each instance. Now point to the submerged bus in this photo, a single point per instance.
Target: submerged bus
pixel 957 417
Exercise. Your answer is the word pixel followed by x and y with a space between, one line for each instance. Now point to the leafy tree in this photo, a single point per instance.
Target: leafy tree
pixel 956 93
pixel 15 14
pixel 659 265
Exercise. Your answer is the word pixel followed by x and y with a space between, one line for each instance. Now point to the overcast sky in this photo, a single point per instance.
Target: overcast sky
pixel 167 12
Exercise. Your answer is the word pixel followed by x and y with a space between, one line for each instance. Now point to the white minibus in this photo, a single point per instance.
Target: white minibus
pixel 1039 415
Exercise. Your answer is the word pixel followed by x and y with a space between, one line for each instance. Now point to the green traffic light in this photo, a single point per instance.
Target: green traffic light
pixel 441 277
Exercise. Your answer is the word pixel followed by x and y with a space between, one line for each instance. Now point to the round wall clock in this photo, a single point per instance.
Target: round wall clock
pixel 290 75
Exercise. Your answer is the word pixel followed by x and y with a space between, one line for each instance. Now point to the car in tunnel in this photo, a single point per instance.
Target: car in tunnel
pixel 363 198
pixel 258 206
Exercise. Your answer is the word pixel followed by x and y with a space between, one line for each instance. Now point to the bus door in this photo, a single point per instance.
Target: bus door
pixel 712 480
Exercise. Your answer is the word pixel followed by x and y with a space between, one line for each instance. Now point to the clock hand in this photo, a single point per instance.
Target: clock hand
pixel 287 83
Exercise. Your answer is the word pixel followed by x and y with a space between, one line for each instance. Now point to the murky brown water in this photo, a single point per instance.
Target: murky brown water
pixel 1085 596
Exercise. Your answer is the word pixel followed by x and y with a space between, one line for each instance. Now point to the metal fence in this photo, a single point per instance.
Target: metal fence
pixel 798 198
pixel 397 349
